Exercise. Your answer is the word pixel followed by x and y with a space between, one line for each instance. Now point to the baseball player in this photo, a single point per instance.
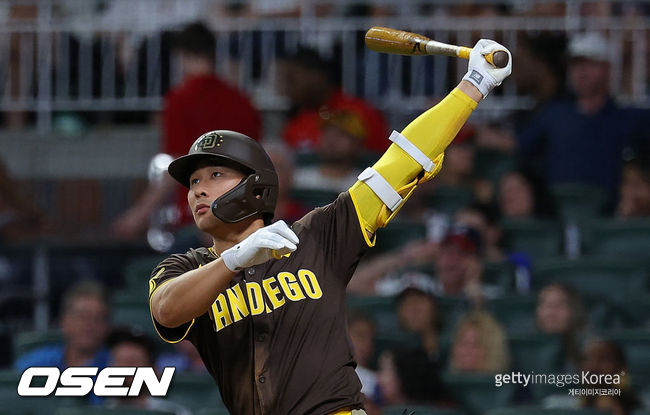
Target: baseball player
pixel 265 304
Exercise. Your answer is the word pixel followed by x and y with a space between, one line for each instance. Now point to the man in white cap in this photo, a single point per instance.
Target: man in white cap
pixel 582 139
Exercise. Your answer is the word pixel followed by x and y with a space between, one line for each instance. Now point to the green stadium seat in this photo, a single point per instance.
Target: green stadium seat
pixel 536 237
pixel 477 392
pixel 637 310
pixel 536 352
pixel 380 308
pixel 576 202
pixel 397 340
pixel 492 164
pixel 138 272
pixel 313 197
pixel 27 341
pixel 617 238
pixel 132 311
pixel 93 410
pixel 636 344
pixel 212 411
pixel 448 200
pixel 419 410
pixel 306 158
pixel 516 313
pixel 195 391
pixel 399 233
pixel 528 410
pixel 13 404
pixel 609 278
pixel 501 274
pixel 451 309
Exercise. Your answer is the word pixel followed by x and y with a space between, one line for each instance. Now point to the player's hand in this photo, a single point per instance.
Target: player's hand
pixel 482 74
pixel 268 242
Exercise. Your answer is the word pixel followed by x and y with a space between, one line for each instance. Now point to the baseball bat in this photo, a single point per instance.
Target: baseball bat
pixel 387 40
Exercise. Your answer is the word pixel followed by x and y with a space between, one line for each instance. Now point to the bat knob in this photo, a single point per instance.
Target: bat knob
pixel 500 59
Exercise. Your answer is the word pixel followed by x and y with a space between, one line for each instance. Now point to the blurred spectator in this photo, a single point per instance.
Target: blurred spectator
pixel 185 358
pixel 307 80
pixel 483 219
pixel 129 348
pixel 201 103
pixel 458 168
pixel 19 219
pixel 361 329
pixel 339 150
pixel 286 208
pixel 479 345
pixel 560 311
pixel 457 266
pixel 516 197
pixel 418 312
pixel 84 324
pixel 406 377
pixel 635 189
pixel 581 140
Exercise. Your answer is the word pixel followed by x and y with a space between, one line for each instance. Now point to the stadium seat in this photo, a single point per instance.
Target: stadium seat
pixel 617 238
pixel 536 352
pixel 29 340
pixel 451 309
pixel 397 340
pixel 212 411
pixel 637 310
pixel 132 311
pixel 13 404
pixel 477 392
pixel 501 274
pixel 576 202
pixel 448 200
pixel 93 410
pixel 516 313
pixel 195 391
pixel 380 308
pixel 636 344
pixel 399 233
pixel 538 238
pixel 530 410
pixel 609 278
pixel 314 198
pixel 492 164
pixel 138 272
pixel 419 410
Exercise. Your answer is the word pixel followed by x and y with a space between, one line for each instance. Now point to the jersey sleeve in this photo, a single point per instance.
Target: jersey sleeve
pixel 167 270
pixel 334 232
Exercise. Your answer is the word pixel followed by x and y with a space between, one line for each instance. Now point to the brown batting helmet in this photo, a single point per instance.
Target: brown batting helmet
pixel 256 193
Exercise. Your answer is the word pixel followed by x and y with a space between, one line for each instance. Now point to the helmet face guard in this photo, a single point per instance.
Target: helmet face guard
pixel 257 193
pixel 251 196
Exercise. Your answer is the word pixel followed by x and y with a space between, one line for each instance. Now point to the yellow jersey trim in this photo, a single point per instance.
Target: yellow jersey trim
pixel 154 320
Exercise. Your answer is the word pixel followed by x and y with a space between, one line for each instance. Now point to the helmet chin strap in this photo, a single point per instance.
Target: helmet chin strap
pixel 239 202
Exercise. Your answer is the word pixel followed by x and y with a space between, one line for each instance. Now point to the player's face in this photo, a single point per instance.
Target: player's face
pixel 208 183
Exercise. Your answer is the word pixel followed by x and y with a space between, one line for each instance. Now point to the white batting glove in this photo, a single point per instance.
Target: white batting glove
pixel 483 74
pixel 268 242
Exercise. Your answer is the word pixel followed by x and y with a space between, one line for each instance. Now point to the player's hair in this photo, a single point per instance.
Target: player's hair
pixel 83 289
pixel 492 337
pixel 197 39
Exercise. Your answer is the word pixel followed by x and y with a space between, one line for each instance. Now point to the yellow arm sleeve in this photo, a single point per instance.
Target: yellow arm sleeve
pixel 431 132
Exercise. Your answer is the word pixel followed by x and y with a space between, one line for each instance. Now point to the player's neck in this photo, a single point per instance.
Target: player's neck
pixel 230 234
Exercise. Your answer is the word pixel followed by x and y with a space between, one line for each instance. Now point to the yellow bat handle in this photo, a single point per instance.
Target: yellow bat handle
pixel 502 60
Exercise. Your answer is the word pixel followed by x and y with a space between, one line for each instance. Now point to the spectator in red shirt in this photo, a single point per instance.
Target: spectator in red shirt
pixel 201 103
pixel 308 83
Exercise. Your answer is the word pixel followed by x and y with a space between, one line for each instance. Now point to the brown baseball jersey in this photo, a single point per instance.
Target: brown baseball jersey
pixel 276 340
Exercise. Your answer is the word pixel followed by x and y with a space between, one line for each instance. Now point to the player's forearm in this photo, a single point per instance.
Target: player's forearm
pixel 190 295
pixel 431 133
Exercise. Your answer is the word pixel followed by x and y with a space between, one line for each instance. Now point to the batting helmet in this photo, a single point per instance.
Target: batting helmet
pixel 256 193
